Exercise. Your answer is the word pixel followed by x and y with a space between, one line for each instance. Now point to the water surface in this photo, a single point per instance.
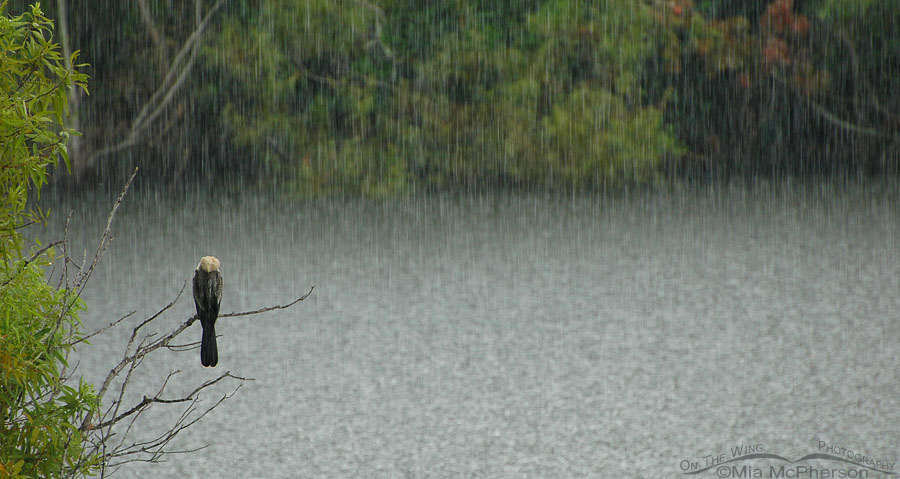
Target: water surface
pixel 517 336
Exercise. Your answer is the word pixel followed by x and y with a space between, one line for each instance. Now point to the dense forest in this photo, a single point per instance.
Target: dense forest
pixel 379 97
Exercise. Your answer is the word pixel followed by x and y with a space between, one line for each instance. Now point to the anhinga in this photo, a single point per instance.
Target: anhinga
pixel 207 298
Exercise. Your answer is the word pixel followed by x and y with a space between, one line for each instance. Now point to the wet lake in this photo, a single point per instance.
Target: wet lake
pixel 515 335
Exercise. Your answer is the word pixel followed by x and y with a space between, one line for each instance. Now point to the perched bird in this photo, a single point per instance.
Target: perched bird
pixel 207 298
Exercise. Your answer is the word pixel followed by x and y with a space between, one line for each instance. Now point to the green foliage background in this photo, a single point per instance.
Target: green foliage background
pixel 380 97
pixel 40 412
pixel 381 100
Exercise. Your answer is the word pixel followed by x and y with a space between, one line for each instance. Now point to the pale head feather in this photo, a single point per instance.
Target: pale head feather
pixel 209 264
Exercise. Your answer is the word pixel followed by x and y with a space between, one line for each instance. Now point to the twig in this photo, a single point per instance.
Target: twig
pixel 154 447
pixel 142 351
pixel 64 274
pixel 89 336
pixel 105 238
pixel 185 347
pixel 129 359
pixel 29 260
pixel 156 399
pixel 82 277
pixel 270 308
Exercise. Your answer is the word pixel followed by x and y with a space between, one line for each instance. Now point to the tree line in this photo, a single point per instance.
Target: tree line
pixel 395 96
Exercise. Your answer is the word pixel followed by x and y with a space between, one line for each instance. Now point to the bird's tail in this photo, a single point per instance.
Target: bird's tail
pixel 209 354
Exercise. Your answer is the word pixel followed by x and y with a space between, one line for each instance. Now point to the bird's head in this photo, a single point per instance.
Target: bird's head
pixel 209 264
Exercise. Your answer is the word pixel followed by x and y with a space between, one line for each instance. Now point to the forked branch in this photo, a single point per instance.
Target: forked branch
pixel 118 420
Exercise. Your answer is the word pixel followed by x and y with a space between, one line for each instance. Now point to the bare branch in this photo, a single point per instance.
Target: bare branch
pixel 152 450
pixel 29 260
pixel 105 238
pixel 110 325
pixel 64 274
pixel 270 308
pixel 108 432
pixel 185 347
pixel 146 401
pixel 161 311
pixel 83 276
pixel 831 117
pixel 155 447
pixel 177 73
pixel 140 353
pixel 164 341
pixel 147 18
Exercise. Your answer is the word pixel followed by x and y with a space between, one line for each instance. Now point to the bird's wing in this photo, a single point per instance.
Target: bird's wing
pixel 218 291
pixel 198 292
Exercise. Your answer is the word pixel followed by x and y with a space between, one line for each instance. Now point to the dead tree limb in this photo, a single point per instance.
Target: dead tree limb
pixel 269 308
pixel 157 39
pixel 176 73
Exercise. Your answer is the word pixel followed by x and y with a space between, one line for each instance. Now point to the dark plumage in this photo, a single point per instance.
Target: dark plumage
pixel 207 298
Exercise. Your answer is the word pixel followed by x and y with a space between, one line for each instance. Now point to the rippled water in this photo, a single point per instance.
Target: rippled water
pixel 518 336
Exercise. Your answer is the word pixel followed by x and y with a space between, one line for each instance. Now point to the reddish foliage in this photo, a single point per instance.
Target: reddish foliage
pixel 780 19
pixel 778 16
pixel 800 25
pixel 776 50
